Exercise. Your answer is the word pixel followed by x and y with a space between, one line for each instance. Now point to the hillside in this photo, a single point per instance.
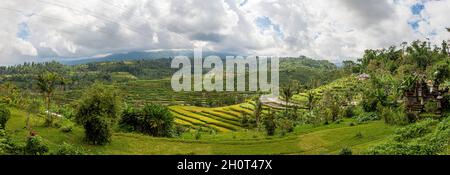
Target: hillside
pixel 329 139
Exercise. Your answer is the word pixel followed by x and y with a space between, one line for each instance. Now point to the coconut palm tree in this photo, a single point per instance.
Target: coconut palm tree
pixel 287 93
pixel 311 100
pixel 258 109
pixel 47 82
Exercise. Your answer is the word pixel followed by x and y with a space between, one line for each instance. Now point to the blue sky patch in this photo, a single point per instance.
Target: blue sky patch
pixel 417 8
pixel 264 23
pixel 414 24
pixel 24 31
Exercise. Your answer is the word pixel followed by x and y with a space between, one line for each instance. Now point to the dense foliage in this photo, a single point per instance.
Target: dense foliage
pixel 97 112
pixel 428 137
pixel 5 114
pixel 152 119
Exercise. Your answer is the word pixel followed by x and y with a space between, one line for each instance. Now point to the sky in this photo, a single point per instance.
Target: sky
pixel 40 30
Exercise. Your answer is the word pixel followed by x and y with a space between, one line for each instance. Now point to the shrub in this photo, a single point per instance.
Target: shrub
pixel 198 134
pixel 36 146
pixel 68 149
pixel 129 120
pixel 359 135
pixel 10 146
pixel 66 128
pixel 285 125
pixel 179 130
pixel 269 124
pixel 369 104
pixel 248 122
pixel 431 107
pixel 346 151
pixel 97 112
pixel 155 120
pixel 446 103
pixel 367 116
pixel 4 116
pixel 394 116
pixel 414 131
pixel 417 142
pixel 98 130
pixel 348 112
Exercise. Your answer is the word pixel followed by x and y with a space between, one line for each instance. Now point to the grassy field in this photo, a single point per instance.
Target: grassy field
pixel 306 139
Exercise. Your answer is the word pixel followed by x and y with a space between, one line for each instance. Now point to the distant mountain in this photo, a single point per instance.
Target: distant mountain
pixel 146 55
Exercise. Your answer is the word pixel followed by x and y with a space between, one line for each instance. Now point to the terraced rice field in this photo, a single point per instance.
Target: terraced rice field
pixel 340 85
pixel 224 119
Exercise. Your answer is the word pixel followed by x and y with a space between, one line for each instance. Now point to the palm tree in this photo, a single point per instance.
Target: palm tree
pixel 258 109
pixel 311 100
pixel 47 83
pixel 287 93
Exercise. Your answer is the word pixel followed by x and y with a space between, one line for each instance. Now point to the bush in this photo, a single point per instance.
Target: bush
pixel 346 151
pixel 4 116
pixel 129 120
pixel 367 116
pixel 10 146
pixel 66 128
pixel 98 130
pixel 198 134
pixel 417 141
pixel 155 120
pixel 285 125
pixel 414 131
pixel 446 103
pixel 359 135
pixel 369 104
pixel 36 146
pixel 348 112
pixel 248 122
pixel 270 125
pixel 68 149
pixel 97 112
pixel 431 107
pixel 394 116
pixel 179 130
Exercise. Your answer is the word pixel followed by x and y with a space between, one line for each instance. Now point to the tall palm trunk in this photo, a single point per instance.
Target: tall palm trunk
pixel 49 120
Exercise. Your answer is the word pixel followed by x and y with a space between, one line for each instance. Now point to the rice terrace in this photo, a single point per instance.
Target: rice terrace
pixel 106 78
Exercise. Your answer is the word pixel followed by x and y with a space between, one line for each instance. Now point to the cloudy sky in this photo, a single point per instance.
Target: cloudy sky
pixel 36 30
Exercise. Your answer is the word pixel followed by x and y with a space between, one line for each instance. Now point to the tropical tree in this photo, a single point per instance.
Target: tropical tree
pixel 47 83
pixel 311 100
pixel 258 109
pixel 4 116
pixel 269 123
pixel 287 92
pixel 331 104
pixel 97 111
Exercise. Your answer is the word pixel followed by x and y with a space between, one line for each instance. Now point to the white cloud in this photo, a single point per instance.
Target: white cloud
pixel 322 29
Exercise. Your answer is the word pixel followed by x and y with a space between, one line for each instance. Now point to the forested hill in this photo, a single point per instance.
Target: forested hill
pixel 146 55
pixel 305 70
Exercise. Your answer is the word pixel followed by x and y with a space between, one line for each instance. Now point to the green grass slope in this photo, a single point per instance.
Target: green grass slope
pixel 306 139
